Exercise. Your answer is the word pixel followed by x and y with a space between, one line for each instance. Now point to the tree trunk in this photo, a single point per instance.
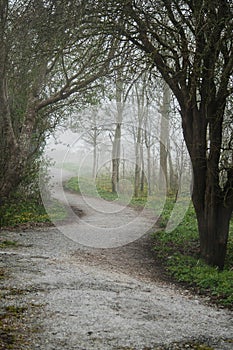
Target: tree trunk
pixel 213 226
pixel 94 167
pixel 116 150
pixel 164 138
pixel 173 178
pixel 163 171
pixel 149 170
pixel 148 150
pixel 142 183
pixel 18 153
pixel 213 204
pixel 116 147
pixel 137 163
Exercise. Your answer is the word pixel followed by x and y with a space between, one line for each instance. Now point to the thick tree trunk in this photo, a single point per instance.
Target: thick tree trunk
pixel 213 204
pixel 12 177
pixel 18 152
pixel 213 226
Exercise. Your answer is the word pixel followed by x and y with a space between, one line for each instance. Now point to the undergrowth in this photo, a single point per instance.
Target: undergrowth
pixel 179 252
pixel 21 211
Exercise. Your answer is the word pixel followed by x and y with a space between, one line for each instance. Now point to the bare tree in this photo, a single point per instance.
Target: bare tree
pixel 123 80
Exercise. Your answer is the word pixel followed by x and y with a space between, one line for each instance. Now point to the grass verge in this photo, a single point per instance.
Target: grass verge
pixel 179 252
pixel 20 211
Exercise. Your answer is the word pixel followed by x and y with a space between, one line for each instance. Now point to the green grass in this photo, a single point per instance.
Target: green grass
pixel 179 252
pixel 7 244
pixel 87 187
pixel 102 187
pixel 19 211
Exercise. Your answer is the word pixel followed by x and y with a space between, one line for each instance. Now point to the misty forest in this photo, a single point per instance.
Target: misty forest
pixel 131 103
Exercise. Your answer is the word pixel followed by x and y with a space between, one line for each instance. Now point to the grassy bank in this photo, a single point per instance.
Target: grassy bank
pixel 19 211
pixel 180 254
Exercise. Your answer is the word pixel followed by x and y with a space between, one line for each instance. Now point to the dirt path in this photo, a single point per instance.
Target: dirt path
pixel 73 296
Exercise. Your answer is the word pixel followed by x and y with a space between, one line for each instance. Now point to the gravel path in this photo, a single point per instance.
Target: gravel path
pixel 82 297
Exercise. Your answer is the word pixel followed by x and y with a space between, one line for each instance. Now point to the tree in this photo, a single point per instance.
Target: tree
pixel 42 65
pixel 141 105
pixel 123 80
pixel 191 44
pixel 116 140
pixel 164 136
pixel 92 123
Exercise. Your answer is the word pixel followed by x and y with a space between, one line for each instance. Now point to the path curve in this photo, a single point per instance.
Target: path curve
pixel 97 299
pixel 103 224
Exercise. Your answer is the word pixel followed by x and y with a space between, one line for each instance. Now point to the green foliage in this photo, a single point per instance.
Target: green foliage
pixel 21 211
pixel 207 279
pixel 167 209
pixel 102 187
pixel 179 252
pixel 7 244
pixel 25 205
pixel 16 311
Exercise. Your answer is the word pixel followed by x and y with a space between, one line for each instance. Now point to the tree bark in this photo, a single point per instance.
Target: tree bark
pixel 94 167
pixel 164 139
pixel 213 225
pixel 116 147
pixel 116 150
pixel 137 161
pixel 149 170
pixel 142 181
pixel 213 204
